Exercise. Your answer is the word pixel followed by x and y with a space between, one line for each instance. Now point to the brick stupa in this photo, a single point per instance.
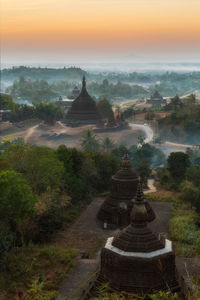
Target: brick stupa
pixel 136 260
pixel 116 209
pixel 83 110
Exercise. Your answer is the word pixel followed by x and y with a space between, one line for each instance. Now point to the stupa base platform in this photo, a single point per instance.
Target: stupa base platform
pixel 138 272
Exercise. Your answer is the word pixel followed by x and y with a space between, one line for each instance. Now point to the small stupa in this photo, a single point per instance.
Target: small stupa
pixel 137 260
pixel 116 209
pixel 75 93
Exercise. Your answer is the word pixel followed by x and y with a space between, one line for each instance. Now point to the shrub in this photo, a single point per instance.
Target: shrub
pixel 159 197
pixel 28 266
pixel 184 231
pixel 6 242
pixel 17 203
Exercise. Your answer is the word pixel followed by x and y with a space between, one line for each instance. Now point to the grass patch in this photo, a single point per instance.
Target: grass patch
pixel 104 294
pixel 184 231
pixel 33 269
pixel 157 197
pixel 102 194
pixel 97 246
pixel 183 227
pixel 73 211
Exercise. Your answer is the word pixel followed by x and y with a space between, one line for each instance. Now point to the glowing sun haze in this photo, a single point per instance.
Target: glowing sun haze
pixel 52 29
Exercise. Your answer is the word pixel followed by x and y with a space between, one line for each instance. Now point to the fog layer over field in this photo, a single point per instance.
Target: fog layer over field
pixel 114 66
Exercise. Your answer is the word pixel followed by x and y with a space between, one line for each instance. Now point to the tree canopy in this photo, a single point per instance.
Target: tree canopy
pixel 178 162
pixel 17 202
pixel 105 109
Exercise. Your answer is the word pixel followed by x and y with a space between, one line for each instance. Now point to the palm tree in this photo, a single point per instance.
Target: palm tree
pixel 89 141
pixel 107 144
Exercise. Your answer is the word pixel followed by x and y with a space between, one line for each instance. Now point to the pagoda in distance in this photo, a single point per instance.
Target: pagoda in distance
pixel 83 110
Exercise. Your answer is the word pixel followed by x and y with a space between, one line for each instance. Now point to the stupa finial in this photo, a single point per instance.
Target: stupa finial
pixel 83 82
pixel 139 193
pixel 126 163
pixel 139 216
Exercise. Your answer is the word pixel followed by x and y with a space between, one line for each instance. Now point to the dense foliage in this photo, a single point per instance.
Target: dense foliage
pixel 182 173
pixel 38 84
pixel 60 179
pixel 41 189
pixel 105 109
pixel 182 124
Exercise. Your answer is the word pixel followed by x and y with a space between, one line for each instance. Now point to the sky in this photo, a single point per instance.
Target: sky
pixel 60 30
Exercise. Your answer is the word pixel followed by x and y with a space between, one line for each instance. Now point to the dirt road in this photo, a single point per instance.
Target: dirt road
pixel 29 132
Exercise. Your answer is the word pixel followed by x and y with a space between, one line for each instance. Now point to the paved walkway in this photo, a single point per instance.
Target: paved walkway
pixel 151 186
pixel 86 229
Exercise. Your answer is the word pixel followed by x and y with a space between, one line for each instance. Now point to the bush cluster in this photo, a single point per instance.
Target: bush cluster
pixel 42 188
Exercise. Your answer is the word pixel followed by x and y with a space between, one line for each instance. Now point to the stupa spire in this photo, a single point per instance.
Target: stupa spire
pixel 126 163
pixel 140 199
pixel 139 215
pixel 83 82
pixel 139 193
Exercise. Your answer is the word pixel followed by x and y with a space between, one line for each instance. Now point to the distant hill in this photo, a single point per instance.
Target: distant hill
pixel 72 73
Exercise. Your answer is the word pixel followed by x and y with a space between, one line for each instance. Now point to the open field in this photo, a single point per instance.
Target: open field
pixel 53 136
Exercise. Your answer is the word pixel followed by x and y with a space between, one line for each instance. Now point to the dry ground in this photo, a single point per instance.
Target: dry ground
pixel 52 136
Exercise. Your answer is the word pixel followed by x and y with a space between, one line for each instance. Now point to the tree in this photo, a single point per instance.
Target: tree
pixel 191 99
pixel 146 152
pixel 178 162
pixel 17 202
pixel 105 83
pixel 105 109
pixel 143 170
pixel 176 102
pixel 107 144
pixel 129 112
pixel 89 141
pixel 106 165
pixel 190 193
pixel 88 172
pixel 193 174
pixel 39 164
pixel 150 115
pixel 120 151
pixel 22 112
pixel 71 158
pixel 48 112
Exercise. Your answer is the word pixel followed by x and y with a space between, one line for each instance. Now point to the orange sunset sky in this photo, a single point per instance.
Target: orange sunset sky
pixel 55 29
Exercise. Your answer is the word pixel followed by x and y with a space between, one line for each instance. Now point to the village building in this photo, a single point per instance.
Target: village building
pixel 5 114
pixel 64 103
pixel 83 110
pixel 6 106
pixel 116 209
pixel 136 260
pixel 156 99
